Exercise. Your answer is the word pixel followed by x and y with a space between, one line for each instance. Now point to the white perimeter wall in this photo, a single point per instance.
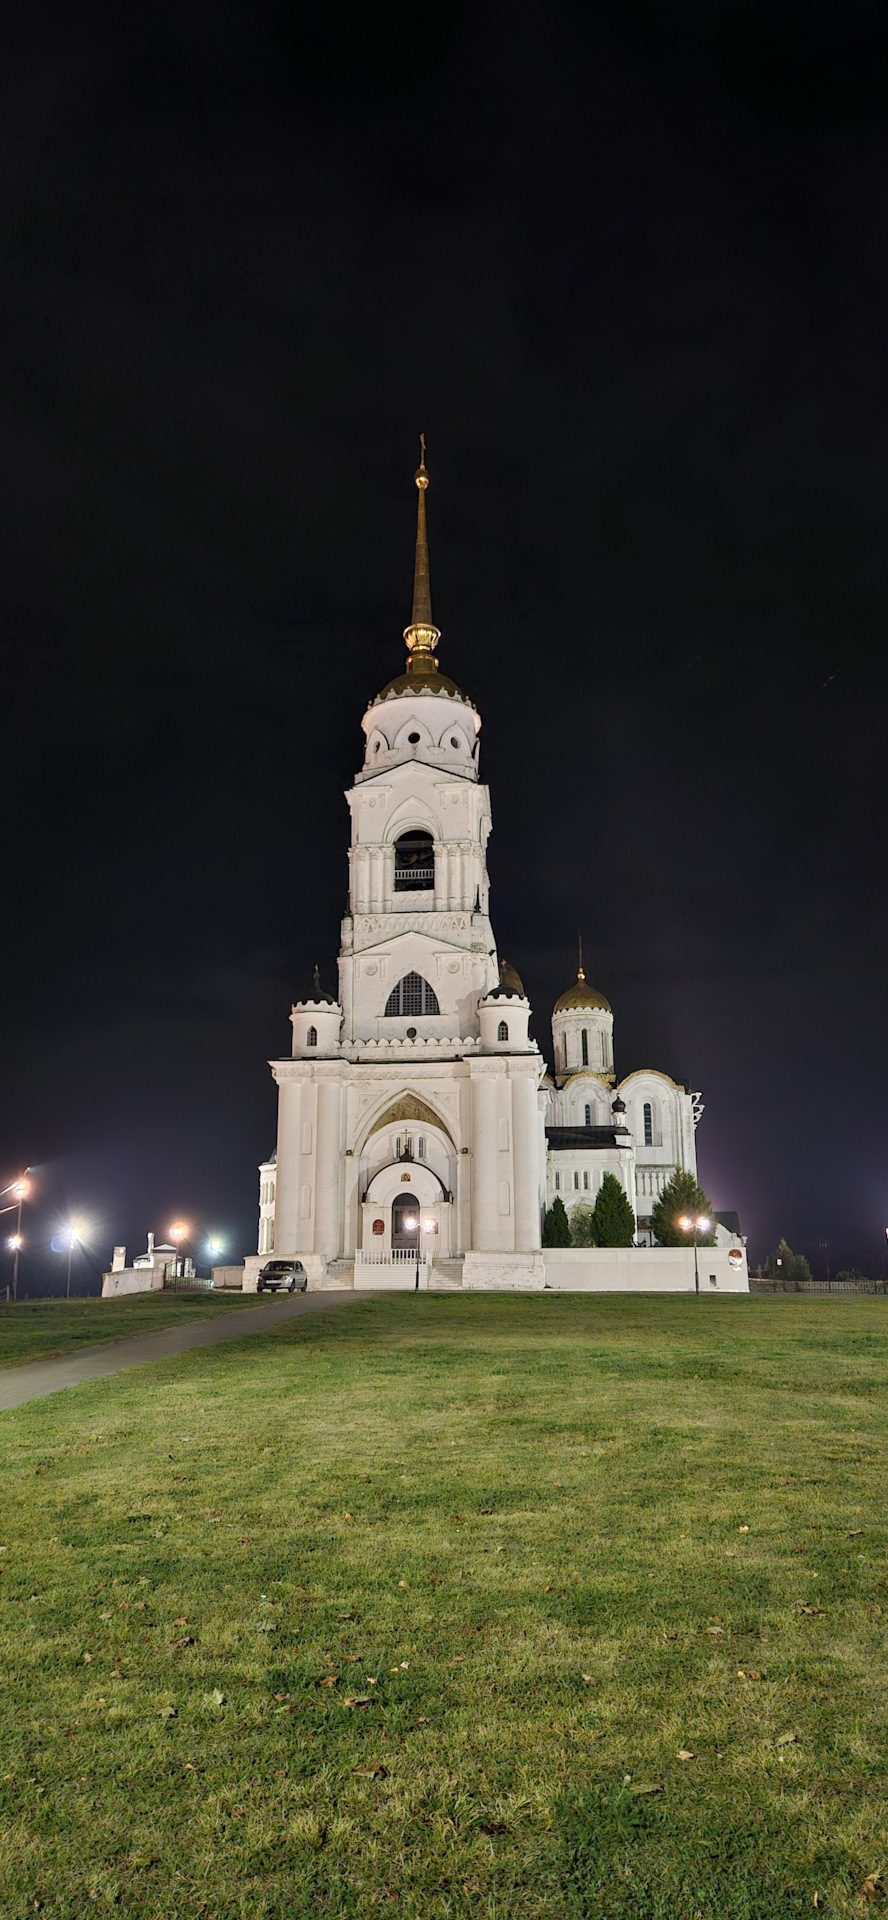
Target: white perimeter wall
pixel 132 1280
pixel 642 1270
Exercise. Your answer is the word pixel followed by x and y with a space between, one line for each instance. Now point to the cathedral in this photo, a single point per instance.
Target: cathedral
pixel 419 1127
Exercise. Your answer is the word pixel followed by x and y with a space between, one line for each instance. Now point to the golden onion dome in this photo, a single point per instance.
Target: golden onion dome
pixel 581 994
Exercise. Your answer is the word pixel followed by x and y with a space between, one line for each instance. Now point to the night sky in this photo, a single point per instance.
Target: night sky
pixel 626 267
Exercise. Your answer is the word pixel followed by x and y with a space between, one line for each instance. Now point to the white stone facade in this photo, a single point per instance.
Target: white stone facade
pixel 415 1111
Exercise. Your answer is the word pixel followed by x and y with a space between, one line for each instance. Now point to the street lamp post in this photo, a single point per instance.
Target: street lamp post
pixel 179 1235
pixel 699 1224
pixel 19 1189
pixel 73 1241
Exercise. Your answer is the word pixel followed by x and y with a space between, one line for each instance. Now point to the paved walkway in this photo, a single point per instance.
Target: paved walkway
pixel 36 1378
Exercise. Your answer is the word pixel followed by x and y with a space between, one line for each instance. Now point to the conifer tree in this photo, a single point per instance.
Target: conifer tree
pixel 556 1226
pixel 613 1222
pixel 681 1198
pixel 792 1267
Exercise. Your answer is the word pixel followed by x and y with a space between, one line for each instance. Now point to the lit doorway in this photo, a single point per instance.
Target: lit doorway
pixel 405 1223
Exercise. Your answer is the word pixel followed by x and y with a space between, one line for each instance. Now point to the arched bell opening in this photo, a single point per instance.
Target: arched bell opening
pixel 414 862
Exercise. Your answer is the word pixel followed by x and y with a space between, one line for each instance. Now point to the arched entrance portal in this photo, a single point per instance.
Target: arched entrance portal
pixel 405 1223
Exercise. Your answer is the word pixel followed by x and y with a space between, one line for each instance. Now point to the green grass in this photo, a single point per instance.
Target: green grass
pixel 511 1533
pixel 37 1329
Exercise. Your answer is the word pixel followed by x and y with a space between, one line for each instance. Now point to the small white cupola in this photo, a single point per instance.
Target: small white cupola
pixel 316 1023
pixel 504 1013
pixel 583 1030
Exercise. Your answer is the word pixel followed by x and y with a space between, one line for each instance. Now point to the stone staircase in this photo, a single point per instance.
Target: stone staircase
pixel 446 1275
pixel 340 1272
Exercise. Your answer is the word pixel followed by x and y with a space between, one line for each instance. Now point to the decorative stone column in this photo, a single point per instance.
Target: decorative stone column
pixel 485 1234
pixel 328 1228
pixel 525 1159
pixel 293 1228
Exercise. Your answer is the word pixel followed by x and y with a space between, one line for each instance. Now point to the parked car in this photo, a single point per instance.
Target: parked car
pixel 282 1276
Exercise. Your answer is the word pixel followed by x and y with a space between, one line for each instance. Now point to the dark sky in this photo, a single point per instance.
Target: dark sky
pixel 626 266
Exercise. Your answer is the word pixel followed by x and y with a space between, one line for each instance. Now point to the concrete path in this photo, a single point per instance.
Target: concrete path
pixel 36 1378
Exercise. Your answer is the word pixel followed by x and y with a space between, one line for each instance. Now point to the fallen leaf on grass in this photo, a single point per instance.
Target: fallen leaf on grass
pixel 684 1754
pixel 809 1610
pixel 855 1531
pixel 715 1630
pixel 742 1529
pixel 169 1712
pixel 786 1740
pixel 351 1658
pixel 874 1887
pixel 455 1658
pixel 214 1699
pixel 329 1680
pixel 182 1620
pixel 646 1786
pixel 748 1673
pixel 587 1677
pixel 357 1700
pixel 372 1773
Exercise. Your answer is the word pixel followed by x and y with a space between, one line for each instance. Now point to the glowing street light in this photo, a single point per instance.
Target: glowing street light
pixel 698 1224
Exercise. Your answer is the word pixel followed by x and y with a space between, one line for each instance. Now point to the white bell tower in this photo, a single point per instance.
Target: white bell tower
pixel 410 1104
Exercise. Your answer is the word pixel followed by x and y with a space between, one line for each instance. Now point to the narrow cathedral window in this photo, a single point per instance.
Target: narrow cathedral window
pixel 421 1149
pixel 311 1038
pixel 576 1181
pixel 648 1125
pixel 586 1181
pixel 584 1041
pixel 411 995
pixel 588 1116
pixel 557 1182
pixel 502 1032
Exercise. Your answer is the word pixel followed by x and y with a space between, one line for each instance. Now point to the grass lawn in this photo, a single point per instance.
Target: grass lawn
pixel 497 1607
pixel 37 1329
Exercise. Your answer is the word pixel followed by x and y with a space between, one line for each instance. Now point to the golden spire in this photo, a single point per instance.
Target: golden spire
pixel 580 973
pixel 422 635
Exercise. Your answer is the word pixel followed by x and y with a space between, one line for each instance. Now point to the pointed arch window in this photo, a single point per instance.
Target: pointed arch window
pixel 502 1032
pixel 588 1116
pixel 648 1124
pixel 411 995
pixel 584 1043
pixel 311 1038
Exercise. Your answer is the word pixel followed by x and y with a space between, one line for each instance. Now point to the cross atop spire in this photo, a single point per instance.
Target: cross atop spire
pixel 422 635
pixel 580 973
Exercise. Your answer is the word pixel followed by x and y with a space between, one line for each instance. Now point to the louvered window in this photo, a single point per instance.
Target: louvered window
pixel 411 995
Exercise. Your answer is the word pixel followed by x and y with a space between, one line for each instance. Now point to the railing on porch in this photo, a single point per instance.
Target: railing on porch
pixel 395 1257
pixel 386 1257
